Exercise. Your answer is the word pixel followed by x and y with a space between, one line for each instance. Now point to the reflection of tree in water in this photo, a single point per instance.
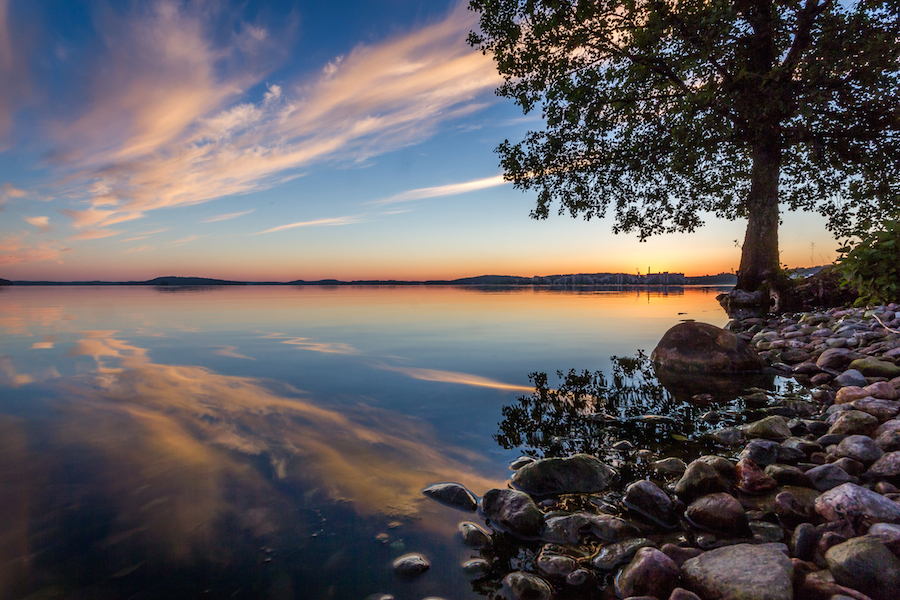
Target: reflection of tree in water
pixel 590 412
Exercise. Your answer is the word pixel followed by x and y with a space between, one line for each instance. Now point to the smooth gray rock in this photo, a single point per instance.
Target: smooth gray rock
pixel 702 348
pixel 878 408
pixel 857 503
pixel 869 366
pixel 650 573
pixel 453 495
pixel 853 422
pixel 851 377
pixel 577 474
pixel 514 512
pixel 476 567
pixel 551 564
pixel 524 586
pixel 826 477
pixel 741 572
pixel 861 448
pixel 762 452
pixel 669 466
pixel 572 528
pixel 865 564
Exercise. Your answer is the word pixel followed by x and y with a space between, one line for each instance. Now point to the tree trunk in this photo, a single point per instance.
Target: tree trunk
pixel 759 254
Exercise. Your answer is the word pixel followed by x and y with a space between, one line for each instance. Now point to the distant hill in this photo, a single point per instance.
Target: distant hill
pixel 187 281
pixel 5 282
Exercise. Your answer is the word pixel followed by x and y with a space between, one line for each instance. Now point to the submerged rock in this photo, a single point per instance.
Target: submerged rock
pixel 612 556
pixel 580 473
pixel 699 479
pixel 453 495
pixel 719 512
pixel 411 565
pixel 648 500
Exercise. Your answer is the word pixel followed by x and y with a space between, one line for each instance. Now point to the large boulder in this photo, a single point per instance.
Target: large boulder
pixel 513 512
pixel 577 474
pixel 702 348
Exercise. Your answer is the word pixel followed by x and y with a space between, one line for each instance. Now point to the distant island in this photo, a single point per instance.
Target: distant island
pixel 554 281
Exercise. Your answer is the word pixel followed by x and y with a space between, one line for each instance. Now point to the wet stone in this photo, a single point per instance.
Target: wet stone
pixel 520 462
pixel 770 428
pixel 788 475
pixel 514 512
pixel 730 436
pixel 698 480
pixel 580 473
pixel 883 390
pixel 683 594
pixel 612 556
pixel 874 367
pixel 680 554
pixel 849 393
pixel 411 565
pixel 477 567
pixel 889 441
pixel 669 466
pixel 647 500
pixel 835 358
pixel 555 565
pixel 579 577
pixel 650 573
pixel 804 541
pixel 723 466
pixel 718 512
pixel 762 452
pixel 764 532
pixel 473 535
pixel 453 495
pixel 524 586
pixel 792 511
pixel 751 479
pixel 801 445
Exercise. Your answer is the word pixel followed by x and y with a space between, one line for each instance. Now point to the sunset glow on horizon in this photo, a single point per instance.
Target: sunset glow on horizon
pixel 281 140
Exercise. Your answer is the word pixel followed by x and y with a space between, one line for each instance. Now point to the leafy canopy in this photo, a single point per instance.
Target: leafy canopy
pixel 654 108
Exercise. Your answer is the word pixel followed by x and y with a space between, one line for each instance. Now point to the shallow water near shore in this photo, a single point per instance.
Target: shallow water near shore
pixel 251 442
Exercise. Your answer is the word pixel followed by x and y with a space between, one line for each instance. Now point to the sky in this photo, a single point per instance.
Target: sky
pixel 286 139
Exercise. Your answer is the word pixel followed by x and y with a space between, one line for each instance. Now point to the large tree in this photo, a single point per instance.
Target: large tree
pixel 666 110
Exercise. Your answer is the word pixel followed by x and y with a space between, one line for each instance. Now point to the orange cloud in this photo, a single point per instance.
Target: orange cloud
pixel 456 377
pixel 443 190
pixel 42 223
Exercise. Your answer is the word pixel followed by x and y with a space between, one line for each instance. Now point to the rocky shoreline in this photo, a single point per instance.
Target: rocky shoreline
pixel 802 503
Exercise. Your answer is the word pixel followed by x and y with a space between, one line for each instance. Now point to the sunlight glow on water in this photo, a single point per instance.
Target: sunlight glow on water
pixel 254 441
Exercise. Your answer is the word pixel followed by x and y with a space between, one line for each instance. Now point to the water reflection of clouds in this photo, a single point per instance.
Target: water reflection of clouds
pixel 441 376
pixel 376 459
pixel 231 352
pixel 306 343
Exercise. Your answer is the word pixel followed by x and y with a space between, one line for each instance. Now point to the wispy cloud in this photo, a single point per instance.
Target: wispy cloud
pixel 139 249
pixel 218 218
pixel 168 128
pixel 14 250
pixel 182 241
pixel 443 190
pixel 334 221
pixel 93 234
pixel 42 223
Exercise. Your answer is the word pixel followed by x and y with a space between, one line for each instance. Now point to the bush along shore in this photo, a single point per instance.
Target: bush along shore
pixel 801 504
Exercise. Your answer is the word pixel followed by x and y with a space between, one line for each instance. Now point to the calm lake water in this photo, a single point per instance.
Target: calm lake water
pixel 273 442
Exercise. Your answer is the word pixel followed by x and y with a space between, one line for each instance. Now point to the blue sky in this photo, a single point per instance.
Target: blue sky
pixel 281 140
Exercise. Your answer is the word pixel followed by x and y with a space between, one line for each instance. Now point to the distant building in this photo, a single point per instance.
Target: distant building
pixel 664 278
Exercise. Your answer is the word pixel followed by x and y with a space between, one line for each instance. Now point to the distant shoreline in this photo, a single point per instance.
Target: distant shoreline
pixel 552 281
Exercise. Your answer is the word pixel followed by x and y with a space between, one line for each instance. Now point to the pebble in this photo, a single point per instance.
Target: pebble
pixel 525 586
pixel 452 494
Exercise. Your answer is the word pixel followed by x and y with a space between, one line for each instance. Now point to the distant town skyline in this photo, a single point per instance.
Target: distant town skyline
pixel 284 140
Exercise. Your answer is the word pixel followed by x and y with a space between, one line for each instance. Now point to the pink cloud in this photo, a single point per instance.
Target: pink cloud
pixel 168 132
pixel 14 251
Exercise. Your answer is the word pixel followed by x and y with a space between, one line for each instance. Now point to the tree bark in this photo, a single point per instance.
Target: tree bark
pixel 759 254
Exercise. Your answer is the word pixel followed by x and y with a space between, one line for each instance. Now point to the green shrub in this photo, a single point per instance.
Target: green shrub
pixel 872 267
